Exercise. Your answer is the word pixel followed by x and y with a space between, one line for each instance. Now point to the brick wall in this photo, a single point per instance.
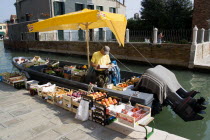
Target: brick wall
pixel 201 13
pixel 169 54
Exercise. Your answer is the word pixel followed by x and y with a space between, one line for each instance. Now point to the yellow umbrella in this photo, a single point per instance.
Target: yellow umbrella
pixel 85 20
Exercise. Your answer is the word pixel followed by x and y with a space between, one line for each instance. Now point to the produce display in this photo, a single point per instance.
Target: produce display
pixel 133 80
pixel 131 115
pixel 76 94
pixel 122 85
pixel 108 101
pixel 96 95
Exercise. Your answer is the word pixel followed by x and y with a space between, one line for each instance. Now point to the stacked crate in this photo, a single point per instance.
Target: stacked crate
pixel 67 102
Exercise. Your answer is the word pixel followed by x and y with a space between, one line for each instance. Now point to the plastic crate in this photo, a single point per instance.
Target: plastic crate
pixel 19 84
pixel 29 83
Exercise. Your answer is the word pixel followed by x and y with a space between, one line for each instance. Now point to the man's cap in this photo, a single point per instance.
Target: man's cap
pixel 106 49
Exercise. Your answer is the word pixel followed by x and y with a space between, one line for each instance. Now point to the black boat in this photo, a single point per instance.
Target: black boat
pixel 158 87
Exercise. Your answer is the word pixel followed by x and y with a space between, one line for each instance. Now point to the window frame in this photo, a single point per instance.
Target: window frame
pixel 100 6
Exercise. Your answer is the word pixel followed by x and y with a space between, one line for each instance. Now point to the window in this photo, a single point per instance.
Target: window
pixel 36 36
pixel 79 6
pixel 99 8
pixel 0 27
pixel 59 8
pixel 81 35
pixel 100 34
pixel 60 35
pixel 90 6
pixel 27 17
pixel 22 36
pixel 112 10
pixel 5 27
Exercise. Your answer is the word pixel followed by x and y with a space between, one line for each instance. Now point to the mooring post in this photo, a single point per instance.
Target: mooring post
pixel 202 35
pixel 127 35
pixel 209 35
pixel 155 31
pixel 195 35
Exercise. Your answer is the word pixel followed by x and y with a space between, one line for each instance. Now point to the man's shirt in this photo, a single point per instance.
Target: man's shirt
pixel 99 59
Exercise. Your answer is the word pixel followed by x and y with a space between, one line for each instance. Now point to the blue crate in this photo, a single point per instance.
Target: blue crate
pixel 1 78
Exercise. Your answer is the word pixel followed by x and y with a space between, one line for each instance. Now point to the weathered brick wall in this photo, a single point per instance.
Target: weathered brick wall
pixel 201 13
pixel 170 54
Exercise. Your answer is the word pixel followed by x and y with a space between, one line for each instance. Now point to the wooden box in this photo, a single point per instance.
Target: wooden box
pixel 67 102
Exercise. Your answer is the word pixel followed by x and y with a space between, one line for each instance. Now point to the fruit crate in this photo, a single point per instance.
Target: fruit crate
pixel 106 120
pixel 74 109
pixel 75 104
pixel 91 100
pixel 59 93
pixel 103 107
pixel 50 97
pixel 33 91
pixel 67 76
pixel 19 84
pixel 77 78
pixel 142 114
pixel 67 102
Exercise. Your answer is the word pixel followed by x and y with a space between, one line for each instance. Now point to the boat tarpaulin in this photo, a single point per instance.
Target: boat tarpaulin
pixel 160 81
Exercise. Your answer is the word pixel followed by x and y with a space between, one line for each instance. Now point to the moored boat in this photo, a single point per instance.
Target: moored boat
pixel 152 90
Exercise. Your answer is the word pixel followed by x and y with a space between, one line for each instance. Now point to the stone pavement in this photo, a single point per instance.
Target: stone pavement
pixel 24 117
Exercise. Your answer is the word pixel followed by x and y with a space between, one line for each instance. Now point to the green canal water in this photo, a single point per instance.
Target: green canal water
pixel 167 120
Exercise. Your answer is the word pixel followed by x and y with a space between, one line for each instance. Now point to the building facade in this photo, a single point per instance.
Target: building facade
pixel 201 14
pixel 30 11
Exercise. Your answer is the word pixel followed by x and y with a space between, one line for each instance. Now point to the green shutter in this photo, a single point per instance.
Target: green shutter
pixel 62 8
pixel 56 8
pixel 110 9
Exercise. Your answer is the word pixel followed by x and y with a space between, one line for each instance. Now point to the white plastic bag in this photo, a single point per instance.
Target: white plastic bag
pixel 83 111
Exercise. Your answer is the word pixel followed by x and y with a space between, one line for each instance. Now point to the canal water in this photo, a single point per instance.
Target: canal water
pixel 167 120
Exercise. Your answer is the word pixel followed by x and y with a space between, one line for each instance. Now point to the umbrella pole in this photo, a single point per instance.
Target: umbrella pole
pixel 87 40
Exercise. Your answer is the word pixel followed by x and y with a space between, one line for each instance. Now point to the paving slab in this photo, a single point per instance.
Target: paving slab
pixel 49 135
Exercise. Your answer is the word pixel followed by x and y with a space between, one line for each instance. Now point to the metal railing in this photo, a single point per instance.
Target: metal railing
pixel 140 35
pixel 170 36
pixel 78 36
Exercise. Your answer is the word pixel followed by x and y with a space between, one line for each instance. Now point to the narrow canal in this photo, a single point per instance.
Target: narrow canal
pixel 167 120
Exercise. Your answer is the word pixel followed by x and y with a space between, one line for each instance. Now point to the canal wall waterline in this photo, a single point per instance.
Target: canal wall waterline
pixel 165 54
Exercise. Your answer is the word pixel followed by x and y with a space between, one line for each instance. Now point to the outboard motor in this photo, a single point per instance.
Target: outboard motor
pixel 163 83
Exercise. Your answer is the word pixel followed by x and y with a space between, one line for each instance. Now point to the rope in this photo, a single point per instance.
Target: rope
pixel 141 54
pixel 118 60
pixel 121 63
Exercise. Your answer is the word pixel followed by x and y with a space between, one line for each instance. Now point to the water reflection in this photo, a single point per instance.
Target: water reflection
pixel 167 120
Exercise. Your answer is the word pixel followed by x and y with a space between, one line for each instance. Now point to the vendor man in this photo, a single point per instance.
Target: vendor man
pixel 100 58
